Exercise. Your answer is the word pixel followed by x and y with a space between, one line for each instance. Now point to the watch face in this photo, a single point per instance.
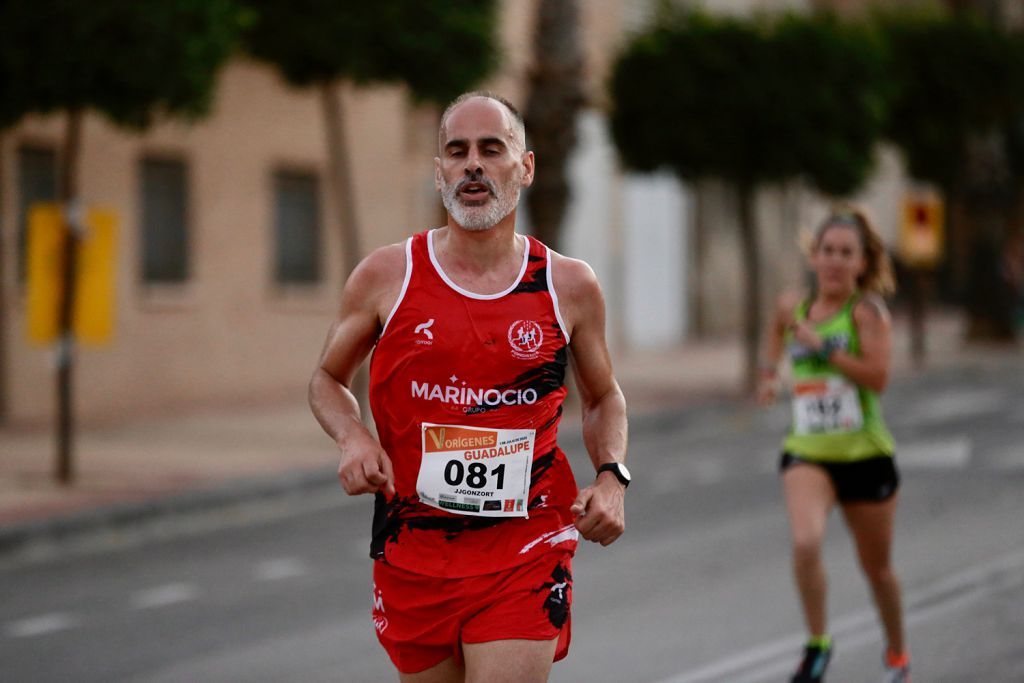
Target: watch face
pixel 619 470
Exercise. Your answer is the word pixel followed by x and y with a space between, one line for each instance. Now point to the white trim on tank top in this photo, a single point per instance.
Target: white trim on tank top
pixel 466 292
pixel 405 285
pixel 554 296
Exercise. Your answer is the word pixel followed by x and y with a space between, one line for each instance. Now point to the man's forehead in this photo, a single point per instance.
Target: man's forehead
pixel 479 117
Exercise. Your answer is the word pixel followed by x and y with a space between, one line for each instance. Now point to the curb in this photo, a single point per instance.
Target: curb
pixel 19 537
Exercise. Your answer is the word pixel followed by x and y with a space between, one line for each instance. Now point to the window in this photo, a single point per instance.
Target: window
pixel 296 228
pixel 164 221
pixel 37 182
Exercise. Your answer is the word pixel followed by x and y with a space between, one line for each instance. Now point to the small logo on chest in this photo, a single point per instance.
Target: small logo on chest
pixel 525 338
pixel 423 329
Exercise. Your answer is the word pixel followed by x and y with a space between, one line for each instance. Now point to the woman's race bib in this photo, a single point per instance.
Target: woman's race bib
pixel 826 406
pixel 476 471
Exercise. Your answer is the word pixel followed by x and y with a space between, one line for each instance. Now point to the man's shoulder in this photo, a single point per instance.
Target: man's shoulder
pixel 381 267
pixel 572 276
pixel 376 281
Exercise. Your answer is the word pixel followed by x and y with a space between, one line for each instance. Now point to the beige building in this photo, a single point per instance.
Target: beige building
pixel 229 261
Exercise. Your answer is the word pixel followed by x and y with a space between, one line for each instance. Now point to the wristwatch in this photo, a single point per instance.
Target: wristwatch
pixel 619 470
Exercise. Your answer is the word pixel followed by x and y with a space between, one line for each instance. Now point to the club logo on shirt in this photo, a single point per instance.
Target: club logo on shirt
pixel 525 337
pixel 424 329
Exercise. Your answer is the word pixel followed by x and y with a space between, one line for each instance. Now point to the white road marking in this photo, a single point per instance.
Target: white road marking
pixel 948 454
pixel 766 662
pixel 41 625
pixel 953 405
pixel 161 596
pixel 1009 458
pixel 699 472
pixel 707 472
pixel 280 568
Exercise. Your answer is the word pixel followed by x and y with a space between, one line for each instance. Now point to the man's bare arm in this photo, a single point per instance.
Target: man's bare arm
pixel 370 291
pixel 600 507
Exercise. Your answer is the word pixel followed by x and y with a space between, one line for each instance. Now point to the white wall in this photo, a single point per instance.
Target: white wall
pixel 592 230
pixel 656 214
pixel 633 233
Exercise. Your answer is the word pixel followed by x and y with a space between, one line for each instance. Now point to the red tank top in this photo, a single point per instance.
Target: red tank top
pixel 447 356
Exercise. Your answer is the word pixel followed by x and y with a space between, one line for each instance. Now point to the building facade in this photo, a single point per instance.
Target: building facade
pixel 228 269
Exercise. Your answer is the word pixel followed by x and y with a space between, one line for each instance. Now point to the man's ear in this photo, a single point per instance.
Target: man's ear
pixel 437 174
pixel 528 167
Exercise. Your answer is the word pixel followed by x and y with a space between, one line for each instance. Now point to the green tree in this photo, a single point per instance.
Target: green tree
pixel 750 103
pixel 131 60
pixel 556 95
pixel 956 106
pixel 437 49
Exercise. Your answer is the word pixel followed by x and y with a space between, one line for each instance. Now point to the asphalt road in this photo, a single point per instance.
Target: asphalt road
pixel 697 590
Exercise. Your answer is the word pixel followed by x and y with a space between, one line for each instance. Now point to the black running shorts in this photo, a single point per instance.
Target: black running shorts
pixel 873 479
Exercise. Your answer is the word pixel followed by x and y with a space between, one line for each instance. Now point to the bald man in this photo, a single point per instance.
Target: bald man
pixel 472 326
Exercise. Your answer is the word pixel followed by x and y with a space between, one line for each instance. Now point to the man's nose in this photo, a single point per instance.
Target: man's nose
pixel 473 164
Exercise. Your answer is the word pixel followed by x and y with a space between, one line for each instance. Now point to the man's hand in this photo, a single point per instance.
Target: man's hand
pixel 599 510
pixel 365 468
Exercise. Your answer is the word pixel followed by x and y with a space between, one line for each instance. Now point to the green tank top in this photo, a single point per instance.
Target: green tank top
pixel 833 419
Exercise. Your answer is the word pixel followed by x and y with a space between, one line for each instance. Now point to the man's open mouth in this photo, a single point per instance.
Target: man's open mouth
pixel 475 191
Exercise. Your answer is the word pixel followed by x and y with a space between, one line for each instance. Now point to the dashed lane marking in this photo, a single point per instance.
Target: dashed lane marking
pixel 280 568
pixel 1008 458
pixel 952 405
pixel 707 472
pixel 41 625
pixel 162 596
pixel 948 454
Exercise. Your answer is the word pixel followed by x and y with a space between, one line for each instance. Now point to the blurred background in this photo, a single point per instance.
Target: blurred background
pixel 184 187
pixel 245 186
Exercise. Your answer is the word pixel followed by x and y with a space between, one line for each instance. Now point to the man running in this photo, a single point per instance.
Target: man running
pixel 472 327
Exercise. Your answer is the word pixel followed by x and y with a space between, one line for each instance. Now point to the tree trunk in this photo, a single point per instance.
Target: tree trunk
pixel 556 95
pixel 988 206
pixel 986 196
pixel 752 293
pixel 340 169
pixel 3 296
pixel 339 162
pixel 73 212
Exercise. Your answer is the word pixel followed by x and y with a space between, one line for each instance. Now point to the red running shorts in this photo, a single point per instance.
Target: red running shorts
pixel 423 620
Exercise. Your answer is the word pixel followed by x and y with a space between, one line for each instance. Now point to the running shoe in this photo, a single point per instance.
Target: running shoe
pixel 812 668
pixel 895 669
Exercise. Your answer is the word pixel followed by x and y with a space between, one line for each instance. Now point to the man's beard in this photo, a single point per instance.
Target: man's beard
pixel 485 217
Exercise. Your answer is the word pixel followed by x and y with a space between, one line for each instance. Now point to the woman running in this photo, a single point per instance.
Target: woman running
pixel 839 451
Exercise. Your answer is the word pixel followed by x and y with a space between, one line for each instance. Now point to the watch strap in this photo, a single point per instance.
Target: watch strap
pixel 613 467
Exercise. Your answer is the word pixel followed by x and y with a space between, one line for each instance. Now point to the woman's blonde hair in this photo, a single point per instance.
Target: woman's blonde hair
pixel 878 273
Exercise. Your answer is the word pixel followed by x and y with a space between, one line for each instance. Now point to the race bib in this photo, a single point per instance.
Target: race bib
pixel 826 406
pixel 476 471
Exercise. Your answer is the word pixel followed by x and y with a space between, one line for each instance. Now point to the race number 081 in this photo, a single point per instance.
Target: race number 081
pixel 454 472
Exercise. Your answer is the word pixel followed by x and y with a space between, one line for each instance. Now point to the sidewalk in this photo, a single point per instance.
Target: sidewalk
pixel 182 462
